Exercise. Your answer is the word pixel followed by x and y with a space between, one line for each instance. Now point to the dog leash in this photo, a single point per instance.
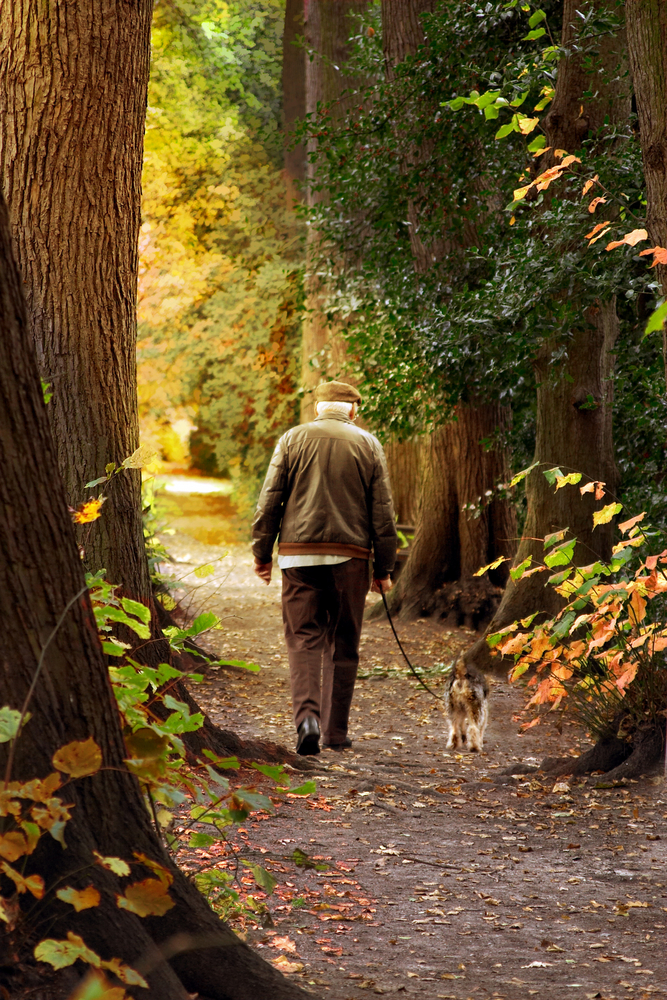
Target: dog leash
pixel 405 655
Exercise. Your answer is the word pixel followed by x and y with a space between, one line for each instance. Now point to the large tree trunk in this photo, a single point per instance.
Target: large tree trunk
pixel 574 398
pixel 71 144
pixel 294 95
pixel 450 542
pixel 646 25
pixel 71 147
pixel 328 29
pixel 40 572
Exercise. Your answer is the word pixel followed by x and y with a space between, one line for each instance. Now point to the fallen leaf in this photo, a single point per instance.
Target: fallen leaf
pixel 283 963
pixel 284 943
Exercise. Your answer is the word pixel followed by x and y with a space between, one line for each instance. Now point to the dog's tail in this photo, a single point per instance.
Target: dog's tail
pixel 460 669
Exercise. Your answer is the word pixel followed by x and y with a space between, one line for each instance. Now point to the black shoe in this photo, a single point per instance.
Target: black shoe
pixel 345 745
pixel 308 743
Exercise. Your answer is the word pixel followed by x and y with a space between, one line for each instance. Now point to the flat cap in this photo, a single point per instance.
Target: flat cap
pixel 341 392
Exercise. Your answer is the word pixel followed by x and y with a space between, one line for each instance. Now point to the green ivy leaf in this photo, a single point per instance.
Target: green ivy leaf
pixel 535 18
pixel 532 35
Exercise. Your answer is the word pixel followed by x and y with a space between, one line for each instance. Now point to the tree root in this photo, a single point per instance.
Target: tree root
pixel 617 759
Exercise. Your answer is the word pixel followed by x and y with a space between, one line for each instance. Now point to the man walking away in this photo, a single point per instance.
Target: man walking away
pixel 327 496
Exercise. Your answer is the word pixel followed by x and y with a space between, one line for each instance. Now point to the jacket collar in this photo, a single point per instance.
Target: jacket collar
pixel 334 416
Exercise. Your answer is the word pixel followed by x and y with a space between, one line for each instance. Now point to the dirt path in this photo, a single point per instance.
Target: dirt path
pixel 443 878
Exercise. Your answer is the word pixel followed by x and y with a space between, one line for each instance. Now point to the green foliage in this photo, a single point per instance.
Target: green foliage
pixel 449 151
pixel 602 656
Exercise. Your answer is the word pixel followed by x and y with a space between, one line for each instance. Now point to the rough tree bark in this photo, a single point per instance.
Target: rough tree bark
pixel 294 95
pixel 646 26
pixel 40 571
pixel 450 543
pixel 72 115
pixel 570 432
pixel 329 26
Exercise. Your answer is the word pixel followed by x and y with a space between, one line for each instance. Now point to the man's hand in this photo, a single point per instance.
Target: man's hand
pixel 382 586
pixel 263 570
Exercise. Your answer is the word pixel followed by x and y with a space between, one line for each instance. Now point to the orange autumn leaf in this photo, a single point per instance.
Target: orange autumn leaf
pixel 626 525
pixel 88 511
pixel 659 255
pixel 588 185
pixel 79 759
pixel 594 204
pixel 80 899
pixel 593 235
pixel 638 604
pixel 631 239
pixel 570 160
pixel 13 845
pixel 33 884
pixel 148 898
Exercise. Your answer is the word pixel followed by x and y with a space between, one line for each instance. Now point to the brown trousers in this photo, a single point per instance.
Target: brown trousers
pixel 323 608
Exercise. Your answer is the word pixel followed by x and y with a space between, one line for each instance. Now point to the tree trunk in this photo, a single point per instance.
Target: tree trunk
pixel 71 146
pixel 451 541
pixel 294 95
pixel 574 402
pixel 328 28
pixel 405 460
pixel 40 572
pixel 646 26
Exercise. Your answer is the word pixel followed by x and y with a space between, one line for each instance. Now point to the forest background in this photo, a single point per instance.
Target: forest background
pixel 223 289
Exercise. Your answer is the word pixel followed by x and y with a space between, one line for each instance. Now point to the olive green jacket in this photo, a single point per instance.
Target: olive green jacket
pixel 327 492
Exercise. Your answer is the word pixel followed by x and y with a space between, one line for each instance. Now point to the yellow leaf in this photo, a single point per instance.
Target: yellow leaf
pixel 61 953
pixel 512 220
pixel 79 759
pixel 96 986
pixel 115 865
pixel 283 963
pixel 52 816
pixel 520 193
pixel 588 185
pixel 569 160
pixel 88 511
pixel 33 884
pixel 147 898
pixel 13 845
pixel 162 873
pixel 493 565
pixel 541 152
pixel 605 515
pixel 203 571
pixel 526 125
pixel 80 899
pixel 560 153
pixel 142 456
pixel 594 204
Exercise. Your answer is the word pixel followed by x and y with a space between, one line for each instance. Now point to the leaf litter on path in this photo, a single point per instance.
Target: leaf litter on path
pixel 517 867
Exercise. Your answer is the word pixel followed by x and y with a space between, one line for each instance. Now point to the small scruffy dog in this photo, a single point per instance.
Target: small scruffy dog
pixel 467 707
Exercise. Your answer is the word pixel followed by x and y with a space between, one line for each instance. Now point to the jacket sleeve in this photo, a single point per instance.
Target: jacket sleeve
pixel 383 521
pixel 270 506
